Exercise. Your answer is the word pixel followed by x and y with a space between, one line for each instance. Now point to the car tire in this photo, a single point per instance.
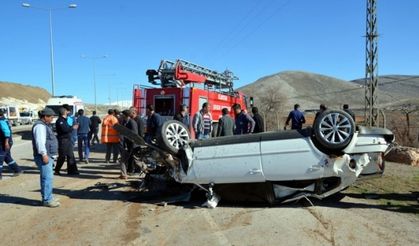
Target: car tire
pixel 173 135
pixel 333 130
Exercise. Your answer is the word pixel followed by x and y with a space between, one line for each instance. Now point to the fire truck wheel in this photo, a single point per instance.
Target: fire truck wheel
pixel 333 130
pixel 173 135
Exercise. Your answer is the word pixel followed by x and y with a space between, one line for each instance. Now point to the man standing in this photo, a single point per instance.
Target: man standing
pixel 82 136
pixel 202 122
pixel 94 128
pixel 128 145
pixel 225 124
pixel 183 115
pixel 6 143
pixel 65 146
pixel 244 124
pixel 154 123
pixel 137 118
pixel 71 120
pixel 259 124
pixel 110 136
pixel 322 108
pixel 45 148
pixel 296 117
pixel 347 110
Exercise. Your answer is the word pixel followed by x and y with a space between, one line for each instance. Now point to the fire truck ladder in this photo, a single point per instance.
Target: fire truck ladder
pixel 193 73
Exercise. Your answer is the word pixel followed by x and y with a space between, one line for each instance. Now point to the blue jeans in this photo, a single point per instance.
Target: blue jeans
pixel 83 145
pixel 203 136
pixel 46 178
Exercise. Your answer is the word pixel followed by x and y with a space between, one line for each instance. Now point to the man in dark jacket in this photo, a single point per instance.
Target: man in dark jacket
pixel 259 124
pixel 225 124
pixel 154 123
pixel 347 110
pixel 65 146
pixel 322 108
pixel 137 118
pixel 94 128
pixel 83 136
pixel 296 117
pixel 244 124
pixel 128 145
pixel 183 115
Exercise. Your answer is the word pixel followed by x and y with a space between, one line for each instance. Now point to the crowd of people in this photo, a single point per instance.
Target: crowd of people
pixel 49 147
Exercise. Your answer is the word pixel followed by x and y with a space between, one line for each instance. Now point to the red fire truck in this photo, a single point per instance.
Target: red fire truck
pixel 183 82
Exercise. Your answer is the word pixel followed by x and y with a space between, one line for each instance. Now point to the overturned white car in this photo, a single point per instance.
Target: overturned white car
pixel 272 166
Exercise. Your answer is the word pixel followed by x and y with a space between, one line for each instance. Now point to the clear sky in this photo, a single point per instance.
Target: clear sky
pixel 252 38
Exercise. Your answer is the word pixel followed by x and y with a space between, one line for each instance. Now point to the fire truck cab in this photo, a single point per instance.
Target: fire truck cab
pixel 182 82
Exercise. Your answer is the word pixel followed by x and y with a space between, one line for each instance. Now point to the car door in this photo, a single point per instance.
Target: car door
pixel 291 159
pixel 231 163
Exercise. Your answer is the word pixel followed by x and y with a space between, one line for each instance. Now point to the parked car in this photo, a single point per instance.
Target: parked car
pixel 279 166
pixel 28 117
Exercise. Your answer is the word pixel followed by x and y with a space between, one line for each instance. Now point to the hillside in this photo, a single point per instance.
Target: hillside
pixel 25 95
pixel 403 88
pixel 309 90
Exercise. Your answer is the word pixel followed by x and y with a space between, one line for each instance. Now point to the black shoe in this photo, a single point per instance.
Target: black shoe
pixel 57 173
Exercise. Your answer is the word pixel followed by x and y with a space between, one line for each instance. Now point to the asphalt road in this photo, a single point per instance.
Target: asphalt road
pixel 99 209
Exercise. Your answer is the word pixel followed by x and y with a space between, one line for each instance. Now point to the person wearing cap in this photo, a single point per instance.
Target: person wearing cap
pixel 183 115
pixel 65 146
pixel 296 117
pixel 45 149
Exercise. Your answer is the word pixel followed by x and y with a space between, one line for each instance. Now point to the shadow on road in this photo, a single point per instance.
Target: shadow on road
pixel 18 200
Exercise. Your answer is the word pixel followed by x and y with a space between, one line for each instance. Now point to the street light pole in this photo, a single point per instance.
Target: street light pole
pixel 51 43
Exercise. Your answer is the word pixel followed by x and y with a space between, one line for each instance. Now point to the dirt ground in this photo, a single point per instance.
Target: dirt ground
pixel 98 209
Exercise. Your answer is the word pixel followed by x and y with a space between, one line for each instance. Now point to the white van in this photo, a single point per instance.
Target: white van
pixel 57 101
pixel 11 113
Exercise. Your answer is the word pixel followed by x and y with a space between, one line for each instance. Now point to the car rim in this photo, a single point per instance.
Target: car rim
pixel 335 128
pixel 176 135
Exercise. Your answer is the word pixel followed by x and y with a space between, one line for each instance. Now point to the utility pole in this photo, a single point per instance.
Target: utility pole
pixel 371 69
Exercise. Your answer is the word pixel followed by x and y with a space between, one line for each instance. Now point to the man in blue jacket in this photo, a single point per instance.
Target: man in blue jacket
pixel 296 117
pixel 6 143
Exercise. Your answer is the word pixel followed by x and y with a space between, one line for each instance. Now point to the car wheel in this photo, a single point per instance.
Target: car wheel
pixel 173 135
pixel 334 129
